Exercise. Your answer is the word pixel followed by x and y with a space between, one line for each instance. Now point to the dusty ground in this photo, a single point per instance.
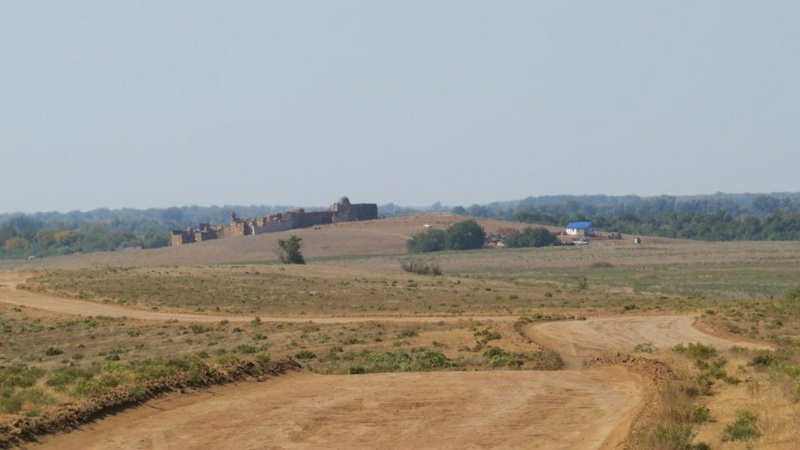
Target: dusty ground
pixel 510 409
pixel 589 408
pixel 578 340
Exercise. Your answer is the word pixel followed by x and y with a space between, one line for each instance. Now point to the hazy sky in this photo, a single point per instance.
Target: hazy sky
pixel 170 103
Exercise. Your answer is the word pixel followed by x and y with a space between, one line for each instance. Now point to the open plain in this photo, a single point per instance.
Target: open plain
pixel 596 346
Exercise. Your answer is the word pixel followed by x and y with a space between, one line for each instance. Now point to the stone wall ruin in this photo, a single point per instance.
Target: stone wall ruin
pixel 342 211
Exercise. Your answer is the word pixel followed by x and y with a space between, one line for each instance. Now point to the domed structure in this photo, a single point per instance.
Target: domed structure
pixel 344 201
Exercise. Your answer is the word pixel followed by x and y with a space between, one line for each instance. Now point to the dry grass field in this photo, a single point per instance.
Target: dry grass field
pixel 667 344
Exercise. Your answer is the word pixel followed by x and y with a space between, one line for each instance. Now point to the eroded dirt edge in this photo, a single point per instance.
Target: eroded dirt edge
pixel 73 415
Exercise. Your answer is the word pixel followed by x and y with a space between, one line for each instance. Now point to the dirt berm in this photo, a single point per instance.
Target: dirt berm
pixel 71 416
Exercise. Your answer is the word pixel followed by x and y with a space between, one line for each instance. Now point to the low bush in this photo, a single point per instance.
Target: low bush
pixel 407 333
pixel 700 414
pixel 421 267
pixel 763 359
pixel 19 375
pixel 671 436
pixel 701 351
pixel 400 361
pixel 305 354
pixel 744 428
pixel 543 360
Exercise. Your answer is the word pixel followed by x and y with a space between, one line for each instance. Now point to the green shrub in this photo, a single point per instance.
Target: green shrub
pixel 65 376
pixel 430 360
pixel 99 384
pixel 743 428
pixel 400 361
pixel 701 352
pixel 673 436
pixel 245 349
pixel 544 360
pixel 700 414
pixel 38 396
pixel 261 358
pixel 305 354
pixel 407 333
pixel 11 404
pixel 198 328
pixel 763 359
pixel 500 358
pixel 356 370
pixel 20 375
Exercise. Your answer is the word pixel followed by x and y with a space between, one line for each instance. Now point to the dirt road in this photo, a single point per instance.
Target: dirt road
pixel 578 340
pixel 508 409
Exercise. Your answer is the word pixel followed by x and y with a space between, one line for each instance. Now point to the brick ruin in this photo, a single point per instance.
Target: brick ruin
pixel 342 211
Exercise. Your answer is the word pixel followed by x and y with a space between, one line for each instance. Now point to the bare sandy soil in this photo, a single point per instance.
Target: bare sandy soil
pixel 578 340
pixel 508 409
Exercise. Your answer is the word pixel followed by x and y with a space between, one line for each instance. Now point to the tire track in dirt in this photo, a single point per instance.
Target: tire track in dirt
pixel 577 340
pixel 11 295
pixel 443 410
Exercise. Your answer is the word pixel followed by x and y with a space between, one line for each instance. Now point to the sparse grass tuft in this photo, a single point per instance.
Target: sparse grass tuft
pixel 744 428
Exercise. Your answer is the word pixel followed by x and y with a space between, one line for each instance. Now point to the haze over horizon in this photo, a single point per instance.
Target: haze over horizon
pixel 159 104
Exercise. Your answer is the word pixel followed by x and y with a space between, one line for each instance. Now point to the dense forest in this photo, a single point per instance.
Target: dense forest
pixel 719 217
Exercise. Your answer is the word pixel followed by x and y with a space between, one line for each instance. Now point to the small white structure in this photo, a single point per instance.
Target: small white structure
pixel 580 229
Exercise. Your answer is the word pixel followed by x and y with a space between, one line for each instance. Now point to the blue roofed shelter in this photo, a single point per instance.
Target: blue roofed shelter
pixel 580 229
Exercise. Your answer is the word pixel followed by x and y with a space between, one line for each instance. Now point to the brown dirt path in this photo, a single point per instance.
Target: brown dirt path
pixel 572 338
pixel 578 340
pixel 442 410
pixel 11 295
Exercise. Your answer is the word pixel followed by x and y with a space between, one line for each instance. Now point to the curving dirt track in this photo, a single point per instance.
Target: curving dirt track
pixel 577 340
pixel 510 409
pixel 589 408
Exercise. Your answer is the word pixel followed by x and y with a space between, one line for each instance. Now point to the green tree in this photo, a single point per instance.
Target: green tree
pixel 155 240
pixel 289 251
pixel 427 241
pixel 464 235
pixel 531 237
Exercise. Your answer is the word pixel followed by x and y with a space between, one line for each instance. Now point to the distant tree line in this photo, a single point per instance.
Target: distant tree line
pixel 718 217
pixel 738 206
pixel 719 226
pixel 54 233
